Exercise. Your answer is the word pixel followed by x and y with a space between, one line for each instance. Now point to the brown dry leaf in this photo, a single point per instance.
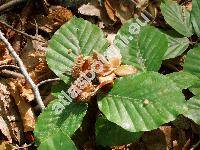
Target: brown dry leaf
pixel 165 137
pixel 122 9
pixel 110 11
pixel 153 9
pixel 26 112
pixel 156 139
pixel 35 62
pixel 39 45
pixel 44 23
pixel 5 146
pixel 4 129
pixel 142 4
pixel 5 57
pixel 12 127
pixel 90 10
pixel 24 89
pixel 57 16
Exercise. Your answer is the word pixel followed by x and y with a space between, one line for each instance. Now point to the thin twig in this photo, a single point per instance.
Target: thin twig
pixel 10 74
pixel 10 4
pixel 25 146
pixel 195 146
pixel 47 81
pixel 24 71
pixel 22 33
pixel 13 67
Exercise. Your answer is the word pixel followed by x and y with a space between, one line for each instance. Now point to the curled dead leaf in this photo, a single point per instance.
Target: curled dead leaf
pixel 26 112
pixel 122 9
pixel 10 124
pixel 90 10
pixel 4 129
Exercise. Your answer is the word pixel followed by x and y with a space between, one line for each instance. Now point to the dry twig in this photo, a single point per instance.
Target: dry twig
pixel 22 33
pixel 9 67
pixel 195 146
pixel 10 4
pixel 47 81
pixel 10 74
pixel 24 71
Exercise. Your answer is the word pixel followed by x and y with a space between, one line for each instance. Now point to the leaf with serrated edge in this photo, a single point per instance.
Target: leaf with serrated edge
pixel 177 44
pixel 115 135
pixel 177 17
pixel 152 50
pixel 57 141
pixel 195 16
pixel 192 61
pixel 183 79
pixel 142 102
pixel 67 121
pixel 193 109
pixel 144 51
pixel 75 37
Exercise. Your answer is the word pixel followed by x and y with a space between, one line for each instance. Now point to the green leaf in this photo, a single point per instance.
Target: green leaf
pixel 142 102
pixel 59 116
pixel 177 17
pixel 75 37
pixel 152 50
pixel 195 16
pixel 56 141
pixel 58 88
pixel 129 32
pixel 177 44
pixel 183 79
pixel 193 109
pixel 192 62
pixel 115 135
pixel 143 51
pixel 195 89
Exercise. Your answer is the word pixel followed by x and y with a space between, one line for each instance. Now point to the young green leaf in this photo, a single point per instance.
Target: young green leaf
pixel 192 62
pixel 183 79
pixel 76 37
pixel 142 102
pixel 193 105
pixel 177 17
pixel 141 48
pixel 59 117
pixel 58 140
pixel 177 44
pixel 115 135
pixel 195 16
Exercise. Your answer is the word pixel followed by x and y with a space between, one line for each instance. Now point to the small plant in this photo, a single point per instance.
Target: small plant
pixel 122 78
